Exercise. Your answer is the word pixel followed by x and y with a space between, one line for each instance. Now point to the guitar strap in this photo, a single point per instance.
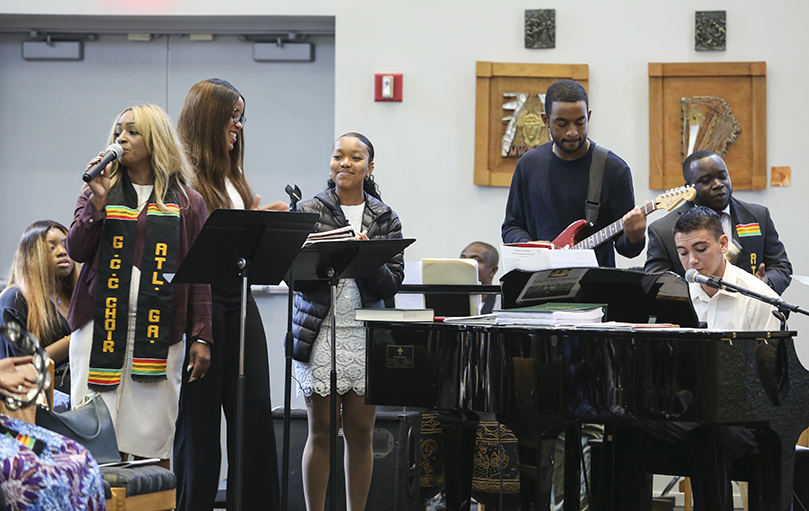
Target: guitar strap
pixel 593 203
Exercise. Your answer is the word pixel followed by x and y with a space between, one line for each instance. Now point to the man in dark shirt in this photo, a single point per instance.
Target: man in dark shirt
pixel 748 226
pixel 549 191
pixel 487 258
pixel 550 184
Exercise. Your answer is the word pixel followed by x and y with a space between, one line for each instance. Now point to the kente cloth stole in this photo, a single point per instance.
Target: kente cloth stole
pixel 153 316
pixel 32 443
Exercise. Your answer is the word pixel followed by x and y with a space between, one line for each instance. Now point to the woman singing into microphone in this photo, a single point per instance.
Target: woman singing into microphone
pixel 351 199
pixel 134 223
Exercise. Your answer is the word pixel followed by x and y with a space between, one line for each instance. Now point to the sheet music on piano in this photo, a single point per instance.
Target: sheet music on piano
pixel 631 296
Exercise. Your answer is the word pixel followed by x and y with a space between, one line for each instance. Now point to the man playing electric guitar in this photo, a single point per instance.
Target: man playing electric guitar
pixel 551 182
pixel 550 187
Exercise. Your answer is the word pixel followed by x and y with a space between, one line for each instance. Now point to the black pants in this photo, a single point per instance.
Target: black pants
pixel 196 443
pixel 709 452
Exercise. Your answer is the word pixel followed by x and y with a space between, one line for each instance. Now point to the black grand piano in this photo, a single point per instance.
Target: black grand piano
pixel 533 376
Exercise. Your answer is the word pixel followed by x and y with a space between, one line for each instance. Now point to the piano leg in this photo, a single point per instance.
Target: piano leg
pixel 459 430
pixel 777 464
pixel 572 466
pixel 537 442
pixel 535 454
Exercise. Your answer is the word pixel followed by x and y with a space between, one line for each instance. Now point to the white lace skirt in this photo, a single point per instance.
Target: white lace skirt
pixel 314 376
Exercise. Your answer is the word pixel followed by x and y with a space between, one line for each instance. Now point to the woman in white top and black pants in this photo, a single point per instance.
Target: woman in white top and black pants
pixel 210 125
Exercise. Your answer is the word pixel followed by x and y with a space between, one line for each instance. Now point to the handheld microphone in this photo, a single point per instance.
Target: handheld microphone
pixel 113 152
pixel 695 277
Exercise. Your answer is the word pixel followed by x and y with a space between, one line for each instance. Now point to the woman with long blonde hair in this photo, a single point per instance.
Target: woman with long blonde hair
pixel 40 284
pixel 134 223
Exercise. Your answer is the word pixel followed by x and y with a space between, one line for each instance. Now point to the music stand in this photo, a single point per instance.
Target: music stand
pixel 223 253
pixel 332 260
pixel 631 296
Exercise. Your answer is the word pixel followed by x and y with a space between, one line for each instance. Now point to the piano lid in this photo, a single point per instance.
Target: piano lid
pixel 631 296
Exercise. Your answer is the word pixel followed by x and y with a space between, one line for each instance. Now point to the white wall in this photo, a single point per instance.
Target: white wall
pixel 425 145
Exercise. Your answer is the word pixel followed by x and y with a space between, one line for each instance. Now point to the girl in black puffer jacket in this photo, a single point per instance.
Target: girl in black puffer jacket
pixel 351 198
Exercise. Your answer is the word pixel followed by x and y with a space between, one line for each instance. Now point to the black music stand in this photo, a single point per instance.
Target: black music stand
pixel 631 296
pixel 332 260
pixel 229 242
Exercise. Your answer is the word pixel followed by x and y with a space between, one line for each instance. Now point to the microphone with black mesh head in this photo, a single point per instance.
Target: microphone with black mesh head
pixel 113 152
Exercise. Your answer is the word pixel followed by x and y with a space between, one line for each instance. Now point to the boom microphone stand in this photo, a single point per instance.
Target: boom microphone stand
pixel 294 197
pixel 782 308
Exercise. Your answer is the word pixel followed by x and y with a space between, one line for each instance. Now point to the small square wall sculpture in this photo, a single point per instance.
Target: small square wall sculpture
pixel 710 30
pixel 540 28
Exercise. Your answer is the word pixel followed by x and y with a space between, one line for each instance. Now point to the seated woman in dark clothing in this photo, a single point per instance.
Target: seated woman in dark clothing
pixel 40 285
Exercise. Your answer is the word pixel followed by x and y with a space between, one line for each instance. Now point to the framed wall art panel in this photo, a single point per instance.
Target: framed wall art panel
pixel 509 99
pixel 720 107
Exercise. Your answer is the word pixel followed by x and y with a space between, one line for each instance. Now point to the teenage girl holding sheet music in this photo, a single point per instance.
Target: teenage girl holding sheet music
pixel 351 199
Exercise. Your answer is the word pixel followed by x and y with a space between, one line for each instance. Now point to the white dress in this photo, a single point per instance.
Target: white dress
pixel 143 414
pixel 314 377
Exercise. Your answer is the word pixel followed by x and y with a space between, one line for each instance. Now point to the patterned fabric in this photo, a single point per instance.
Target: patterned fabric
pixel 316 375
pixel 122 229
pixel 65 476
pixel 748 230
pixel 140 480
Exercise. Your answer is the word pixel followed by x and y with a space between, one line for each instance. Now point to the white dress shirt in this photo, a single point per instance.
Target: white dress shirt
pixel 734 311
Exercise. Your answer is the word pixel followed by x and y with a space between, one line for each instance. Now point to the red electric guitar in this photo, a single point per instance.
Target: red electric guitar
pixel 669 200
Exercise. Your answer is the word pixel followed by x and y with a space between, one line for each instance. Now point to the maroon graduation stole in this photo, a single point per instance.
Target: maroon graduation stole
pixel 153 316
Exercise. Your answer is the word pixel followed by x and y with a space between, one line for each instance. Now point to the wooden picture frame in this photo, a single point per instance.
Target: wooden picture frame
pixel 493 79
pixel 742 84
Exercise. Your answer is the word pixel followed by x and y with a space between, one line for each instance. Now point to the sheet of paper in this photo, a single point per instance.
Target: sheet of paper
pixel 536 259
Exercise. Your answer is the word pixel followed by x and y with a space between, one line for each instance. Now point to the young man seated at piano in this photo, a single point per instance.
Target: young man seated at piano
pixel 701 244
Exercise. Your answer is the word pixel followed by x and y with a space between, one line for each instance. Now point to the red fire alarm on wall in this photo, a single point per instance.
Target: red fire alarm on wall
pixel 388 87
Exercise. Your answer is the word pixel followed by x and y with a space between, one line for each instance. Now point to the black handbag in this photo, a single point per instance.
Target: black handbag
pixel 89 424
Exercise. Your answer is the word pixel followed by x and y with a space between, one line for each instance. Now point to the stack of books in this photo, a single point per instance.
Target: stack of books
pixel 546 314
pixel 552 313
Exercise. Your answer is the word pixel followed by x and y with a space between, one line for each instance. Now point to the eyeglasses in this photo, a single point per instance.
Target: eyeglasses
pixel 237 116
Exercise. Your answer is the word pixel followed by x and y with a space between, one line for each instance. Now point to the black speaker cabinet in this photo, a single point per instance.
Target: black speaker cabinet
pixel 395 481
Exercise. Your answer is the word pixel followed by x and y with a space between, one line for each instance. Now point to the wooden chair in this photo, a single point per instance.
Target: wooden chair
pixel 160 501
pixel 132 482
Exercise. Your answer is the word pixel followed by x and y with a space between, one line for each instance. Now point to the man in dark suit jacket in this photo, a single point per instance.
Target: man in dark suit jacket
pixel 748 225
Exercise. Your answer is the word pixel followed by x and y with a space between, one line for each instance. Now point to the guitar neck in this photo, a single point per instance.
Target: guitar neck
pixel 611 230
